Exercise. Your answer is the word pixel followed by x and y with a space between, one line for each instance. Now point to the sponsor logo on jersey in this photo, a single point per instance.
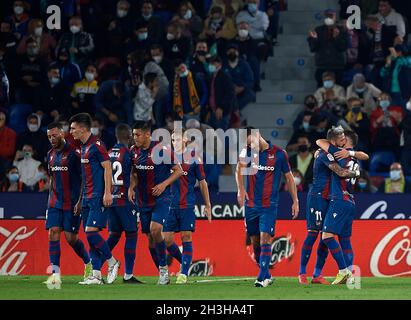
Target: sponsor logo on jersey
pixel 142 167
pixel 263 168
pixel 57 168
pixel 85 161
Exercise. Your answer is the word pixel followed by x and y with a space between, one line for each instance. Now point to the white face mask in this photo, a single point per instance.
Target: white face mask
pixel 121 13
pixel 74 29
pixel 33 127
pixel 18 10
pixel 89 76
pixel 409 105
pixel 66 128
pixel 188 15
pixel 170 36
pixel 395 175
pixel 329 21
pixel 95 131
pixel 243 33
pixel 158 59
pixel 54 81
pixel 38 31
pixel 297 180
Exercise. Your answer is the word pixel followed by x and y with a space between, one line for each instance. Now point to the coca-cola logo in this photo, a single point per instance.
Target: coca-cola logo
pixel 201 268
pixel 12 262
pixel 281 248
pixel 379 210
pixel 392 255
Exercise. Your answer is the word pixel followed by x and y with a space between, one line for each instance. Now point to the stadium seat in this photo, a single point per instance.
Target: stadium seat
pixel 381 161
pixel 18 114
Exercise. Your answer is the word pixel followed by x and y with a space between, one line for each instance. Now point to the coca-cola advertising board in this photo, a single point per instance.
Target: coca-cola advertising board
pixel 381 248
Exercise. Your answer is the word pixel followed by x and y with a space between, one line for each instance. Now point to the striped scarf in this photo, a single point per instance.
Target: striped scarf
pixel 177 97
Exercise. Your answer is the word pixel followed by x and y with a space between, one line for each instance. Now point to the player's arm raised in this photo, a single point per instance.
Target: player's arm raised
pixel 292 189
pixel 206 197
pixel 108 197
pixel 177 173
pixel 342 153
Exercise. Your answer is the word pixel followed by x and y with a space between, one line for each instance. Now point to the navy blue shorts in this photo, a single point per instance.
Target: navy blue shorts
pixel 181 220
pixel 316 211
pixel 94 214
pixel 65 220
pixel 259 220
pixel 159 213
pixel 122 219
pixel 339 218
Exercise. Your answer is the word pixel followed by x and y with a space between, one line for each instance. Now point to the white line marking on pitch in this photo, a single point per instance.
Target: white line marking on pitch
pixel 223 280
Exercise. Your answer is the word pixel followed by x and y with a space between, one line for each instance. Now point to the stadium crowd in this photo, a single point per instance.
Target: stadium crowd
pixel 198 61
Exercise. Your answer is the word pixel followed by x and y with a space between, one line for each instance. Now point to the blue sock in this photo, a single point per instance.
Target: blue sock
pixel 130 251
pixel 265 258
pixel 161 252
pixel 322 253
pixel 154 256
pixel 80 250
pixel 113 239
pixel 96 240
pixel 336 252
pixel 95 258
pixel 257 253
pixel 346 247
pixel 306 250
pixel 54 252
pixel 187 257
pixel 175 252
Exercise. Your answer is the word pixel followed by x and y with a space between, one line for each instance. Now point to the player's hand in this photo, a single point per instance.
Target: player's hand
pixel 158 189
pixel 131 196
pixel 207 211
pixel 241 197
pixel 77 208
pixel 107 199
pixel 295 210
pixel 342 154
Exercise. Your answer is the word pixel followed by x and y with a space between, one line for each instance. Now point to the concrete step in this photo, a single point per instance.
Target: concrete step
pixel 311 5
pixel 285 97
pixel 285 50
pixel 276 133
pixel 289 85
pixel 275 63
pixel 302 17
pixel 294 40
pixel 269 115
pixel 291 74
pixel 298 28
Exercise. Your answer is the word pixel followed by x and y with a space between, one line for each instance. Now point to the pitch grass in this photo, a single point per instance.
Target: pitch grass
pixel 21 287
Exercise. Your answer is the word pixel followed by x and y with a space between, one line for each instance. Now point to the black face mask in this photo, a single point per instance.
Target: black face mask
pixel 232 56
pixel 201 53
pixel 310 105
pixel 303 148
pixel 356 110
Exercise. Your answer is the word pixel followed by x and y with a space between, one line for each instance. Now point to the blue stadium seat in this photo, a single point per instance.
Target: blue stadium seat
pixel 18 114
pixel 381 161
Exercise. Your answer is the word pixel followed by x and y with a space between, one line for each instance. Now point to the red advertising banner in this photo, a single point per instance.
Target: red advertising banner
pixel 381 248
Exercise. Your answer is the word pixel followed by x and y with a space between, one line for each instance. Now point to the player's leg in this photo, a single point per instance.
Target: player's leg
pixel 322 254
pixel 171 226
pixel 54 225
pixel 145 219
pixel 114 228
pixel 187 226
pixel 345 238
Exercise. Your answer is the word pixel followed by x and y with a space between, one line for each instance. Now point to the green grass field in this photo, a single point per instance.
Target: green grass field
pixel 283 288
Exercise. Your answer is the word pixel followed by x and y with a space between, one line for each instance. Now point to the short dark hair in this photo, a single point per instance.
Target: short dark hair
pixel 149 78
pixel 53 66
pixel 83 119
pixel 157 46
pixel 352 136
pixel 142 125
pixel 215 59
pixel 334 132
pixel 122 131
pixel 55 125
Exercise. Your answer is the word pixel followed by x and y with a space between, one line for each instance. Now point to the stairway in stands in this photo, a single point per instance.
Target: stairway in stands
pixel 289 76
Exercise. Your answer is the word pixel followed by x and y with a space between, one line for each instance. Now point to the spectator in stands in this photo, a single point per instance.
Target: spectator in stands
pixel 303 161
pixel 70 72
pixel 366 92
pixel 84 92
pixel 310 106
pixel 43 185
pixel 19 19
pixel 98 130
pixel 319 124
pixel 258 23
pixel 34 137
pixel 331 95
pixel 198 61
pixel 389 17
pixel 8 40
pixel 52 98
pixel 27 166
pixel 222 95
pixel 329 43
pixel 131 75
pixel 113 103
pixel 155 28
pixel 190 93
pixel 230 7
pixel 242 76
pixel 145 98
pixel 4 88
pixel 79 43
pixel 157 55
pixel 397 82
pixel 12 181
pixel 120 29
pixel 176 45
pixel 247 47
pixel 140 39
pixel 45 41
pixel 364 185
pixel 7 143
pixel 303 129
pixel 217 28
pixel 406 131
pixel 359 122
pixel 273 13
pixel 396 183
pixel 188 18
pixel 31 71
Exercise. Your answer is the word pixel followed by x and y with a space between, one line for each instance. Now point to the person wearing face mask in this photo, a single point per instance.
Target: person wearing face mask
pixel 198 61
pixel 84 92
pixel 145 98
pixel 298 179
pixel 188 18
pixel 329 42
pixel 364 185
pixel 12 182
pixel 79 43
pixel 396 182
pixel 7 143
pixel 217 27
pixel 176 45
pixel 230 8
pixel 242 75
pixel 140 39
pixel 98 130
pixel 46 42
pixel 8 41
pixel 190 93
pixel 359 122
pixel 27 166
pixel 157 54
pixel 120 28
pixel 34 137
pixel 70 72
pixel 303 161
pixel 330 92
pixel 19 19
pixel 302 127
pixel 405 127
pixel 154 23
pixel 52 98
pixel 366 92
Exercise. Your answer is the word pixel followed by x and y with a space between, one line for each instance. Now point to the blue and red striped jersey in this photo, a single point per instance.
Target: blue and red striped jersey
pixel 64 168
pixel 183 188
pixel 120 157
pixel 153 166
pixel 263 186
pixel 343 188
pixel 93 153
pixel 322 174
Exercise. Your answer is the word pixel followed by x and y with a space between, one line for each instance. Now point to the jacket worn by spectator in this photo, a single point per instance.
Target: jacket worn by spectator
pixel 339 95
pixel 394 19
pixel 369 95
pixel 258 23
pixel 178 48
pixel 82 41
pixel 7 143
